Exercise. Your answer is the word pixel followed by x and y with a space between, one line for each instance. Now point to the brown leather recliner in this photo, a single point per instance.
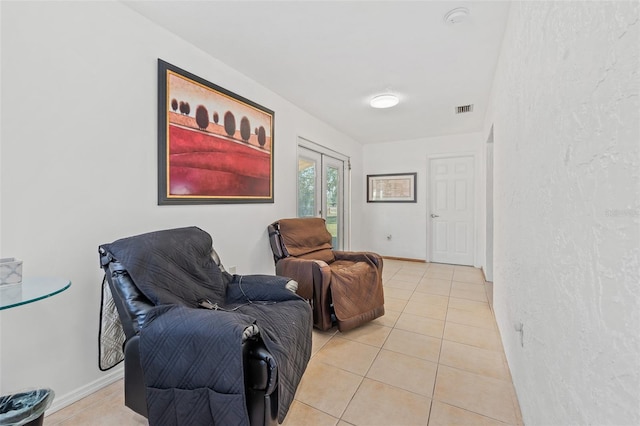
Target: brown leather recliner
pixel 345 287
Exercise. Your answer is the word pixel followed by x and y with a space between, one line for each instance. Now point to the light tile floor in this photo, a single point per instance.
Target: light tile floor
pixel 434 358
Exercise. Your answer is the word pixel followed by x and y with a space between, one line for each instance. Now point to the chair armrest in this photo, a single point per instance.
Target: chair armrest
pixel 359 256
pixel 272 280
pixel 302 270
pixel 256 287
pixel 260 373
pixel 134 389
pixel 261 370
pixel 209 334
pixel 133 307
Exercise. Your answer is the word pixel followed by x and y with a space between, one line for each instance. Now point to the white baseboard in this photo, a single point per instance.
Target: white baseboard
pixel 59 402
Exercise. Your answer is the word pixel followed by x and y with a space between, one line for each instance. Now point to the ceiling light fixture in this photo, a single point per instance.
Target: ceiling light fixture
pixel 456 16
pixel 387 100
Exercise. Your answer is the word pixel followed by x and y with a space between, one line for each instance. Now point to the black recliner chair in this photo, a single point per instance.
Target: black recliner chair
pixel 260 366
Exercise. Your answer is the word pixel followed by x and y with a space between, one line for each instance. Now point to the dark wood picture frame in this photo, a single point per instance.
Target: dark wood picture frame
pixel 214 146
pixel 392 188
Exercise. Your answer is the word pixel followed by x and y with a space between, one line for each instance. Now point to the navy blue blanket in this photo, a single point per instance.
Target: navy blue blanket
pixel 191 357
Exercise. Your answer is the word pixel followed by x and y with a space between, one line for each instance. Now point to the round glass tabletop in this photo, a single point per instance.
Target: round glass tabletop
pixel 31 289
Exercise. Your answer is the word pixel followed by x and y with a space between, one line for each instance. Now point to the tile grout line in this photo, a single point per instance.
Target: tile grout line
pixel 437 363
pixel 478 374
pixel 373 362
pixel 340 418
pixel 435 379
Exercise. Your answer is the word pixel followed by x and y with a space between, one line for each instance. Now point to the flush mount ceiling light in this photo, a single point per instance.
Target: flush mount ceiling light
pixel 456 16
pixel 384 101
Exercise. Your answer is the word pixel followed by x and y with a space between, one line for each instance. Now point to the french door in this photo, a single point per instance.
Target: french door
pixel 321 191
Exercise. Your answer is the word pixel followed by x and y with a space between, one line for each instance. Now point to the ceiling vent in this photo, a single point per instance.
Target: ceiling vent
pixel 464 108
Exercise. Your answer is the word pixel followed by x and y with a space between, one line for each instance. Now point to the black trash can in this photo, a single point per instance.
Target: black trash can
pixel 25 408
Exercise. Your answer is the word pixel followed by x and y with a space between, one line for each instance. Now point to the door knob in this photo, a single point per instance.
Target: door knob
pixel 434 215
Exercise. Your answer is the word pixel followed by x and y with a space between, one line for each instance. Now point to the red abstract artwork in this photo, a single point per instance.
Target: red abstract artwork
pixel 214 146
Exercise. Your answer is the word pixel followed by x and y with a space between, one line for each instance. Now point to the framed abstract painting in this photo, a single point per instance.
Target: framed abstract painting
pixel 214 146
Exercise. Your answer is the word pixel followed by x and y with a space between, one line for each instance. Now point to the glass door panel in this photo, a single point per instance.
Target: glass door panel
pixel 321 189
pixel 332 180
pixel 309 178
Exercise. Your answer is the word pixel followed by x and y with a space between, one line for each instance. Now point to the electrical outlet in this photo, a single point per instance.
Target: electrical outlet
pixel 519 327
pixel 232 270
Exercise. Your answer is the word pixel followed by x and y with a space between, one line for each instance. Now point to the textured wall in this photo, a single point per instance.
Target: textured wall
pixel 567 210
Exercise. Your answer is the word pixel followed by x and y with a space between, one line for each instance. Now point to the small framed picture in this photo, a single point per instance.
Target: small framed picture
pixel 391 188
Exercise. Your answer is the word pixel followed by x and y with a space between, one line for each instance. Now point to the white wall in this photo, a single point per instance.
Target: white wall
pixel 78 168
pixel 407 222
pixel 567 210
pixel 0 191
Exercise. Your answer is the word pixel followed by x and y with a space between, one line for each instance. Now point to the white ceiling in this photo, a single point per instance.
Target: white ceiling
pixel 330 57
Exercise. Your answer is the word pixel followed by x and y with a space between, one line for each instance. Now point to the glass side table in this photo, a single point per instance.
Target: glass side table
pixel 31 289
pixel 27 408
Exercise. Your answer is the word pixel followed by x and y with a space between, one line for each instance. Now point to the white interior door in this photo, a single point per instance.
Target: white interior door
pixel 451 210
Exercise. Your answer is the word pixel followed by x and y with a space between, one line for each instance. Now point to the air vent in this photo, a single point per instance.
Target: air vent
pixel 464 108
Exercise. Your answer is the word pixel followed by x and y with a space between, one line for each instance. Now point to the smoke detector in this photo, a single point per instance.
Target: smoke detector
pixel 456 16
